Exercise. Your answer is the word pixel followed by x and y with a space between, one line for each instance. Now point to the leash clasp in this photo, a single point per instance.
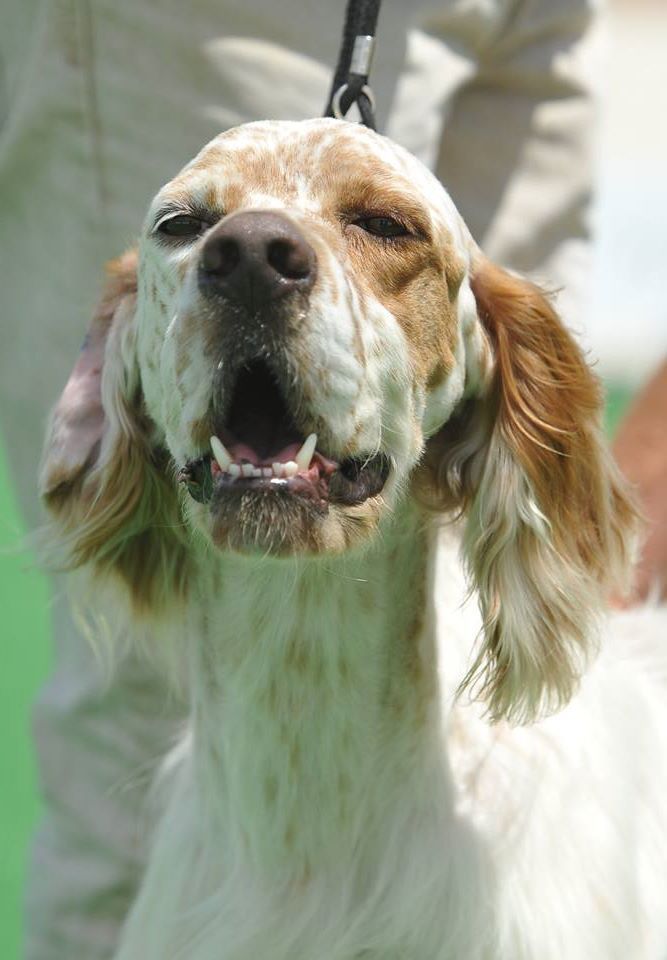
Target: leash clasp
pixel 365 92
pixel 350 83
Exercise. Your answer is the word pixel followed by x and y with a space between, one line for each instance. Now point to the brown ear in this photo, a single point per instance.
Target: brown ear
pixel 75 431
pixel 548 518
pixel 104 482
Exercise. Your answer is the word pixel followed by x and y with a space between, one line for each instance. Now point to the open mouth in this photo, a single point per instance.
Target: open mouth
pixel 260 448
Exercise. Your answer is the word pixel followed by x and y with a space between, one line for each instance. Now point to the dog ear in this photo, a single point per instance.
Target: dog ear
pixel 104 482
pixel 548 521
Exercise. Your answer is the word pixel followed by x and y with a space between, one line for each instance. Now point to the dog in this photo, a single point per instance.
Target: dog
pixel 298 400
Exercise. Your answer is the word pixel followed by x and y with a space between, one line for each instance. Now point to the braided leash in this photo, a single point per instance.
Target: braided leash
pixel 350 82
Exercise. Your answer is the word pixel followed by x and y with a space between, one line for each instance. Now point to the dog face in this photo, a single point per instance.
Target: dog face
pixel 307 295
pixel 299 300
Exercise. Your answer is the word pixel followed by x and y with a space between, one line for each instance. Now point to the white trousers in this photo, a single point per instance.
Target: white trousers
pixel 103 101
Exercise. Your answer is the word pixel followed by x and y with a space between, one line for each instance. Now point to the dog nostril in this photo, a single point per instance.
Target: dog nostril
pixel 222 257
pixel 289 259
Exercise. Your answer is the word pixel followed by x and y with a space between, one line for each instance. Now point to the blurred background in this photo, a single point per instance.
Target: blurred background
pixel 628 335
pixel 628 327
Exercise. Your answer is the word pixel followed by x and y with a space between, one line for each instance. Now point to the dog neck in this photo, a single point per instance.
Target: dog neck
pixel 315 698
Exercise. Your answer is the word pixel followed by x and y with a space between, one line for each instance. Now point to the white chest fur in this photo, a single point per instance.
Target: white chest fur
pixel 321 808
pixel 309 816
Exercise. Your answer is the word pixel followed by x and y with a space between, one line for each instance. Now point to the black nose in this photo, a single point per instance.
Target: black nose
pixel 256 257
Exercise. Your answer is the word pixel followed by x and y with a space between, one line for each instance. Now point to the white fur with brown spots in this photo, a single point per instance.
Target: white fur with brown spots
pixel 339 794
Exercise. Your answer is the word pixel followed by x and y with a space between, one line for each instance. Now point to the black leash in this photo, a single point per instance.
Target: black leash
pixel 350 83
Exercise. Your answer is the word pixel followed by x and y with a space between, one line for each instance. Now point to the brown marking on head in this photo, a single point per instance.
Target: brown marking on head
pixel 235 194
pixel 415 277
pixel 257 167
pixel 212 197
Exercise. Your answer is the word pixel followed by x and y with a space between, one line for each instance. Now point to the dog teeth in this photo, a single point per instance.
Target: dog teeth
pixel 305 454
pixel 221 454
pixel 277 470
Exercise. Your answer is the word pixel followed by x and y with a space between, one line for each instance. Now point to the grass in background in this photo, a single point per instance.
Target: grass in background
pixel 619 399
pixel 24 603
pixel 24 600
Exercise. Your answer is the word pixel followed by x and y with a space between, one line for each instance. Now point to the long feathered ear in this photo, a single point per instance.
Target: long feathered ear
pixel 549 522
pixel 105 484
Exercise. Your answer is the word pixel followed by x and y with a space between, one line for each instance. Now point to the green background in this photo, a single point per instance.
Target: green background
pixel 24 607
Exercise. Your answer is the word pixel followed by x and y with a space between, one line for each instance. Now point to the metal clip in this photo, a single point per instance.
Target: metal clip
pixel 362 55
pixel 335 102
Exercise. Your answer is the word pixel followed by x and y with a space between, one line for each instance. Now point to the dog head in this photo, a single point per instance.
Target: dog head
pixel 308 296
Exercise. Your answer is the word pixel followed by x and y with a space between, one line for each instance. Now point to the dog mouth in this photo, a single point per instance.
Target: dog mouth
pixel 259 448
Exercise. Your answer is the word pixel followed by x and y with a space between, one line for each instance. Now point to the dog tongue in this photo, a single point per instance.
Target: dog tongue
pixel 243 453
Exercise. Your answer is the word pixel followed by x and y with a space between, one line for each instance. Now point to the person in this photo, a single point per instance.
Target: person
pixel 105 103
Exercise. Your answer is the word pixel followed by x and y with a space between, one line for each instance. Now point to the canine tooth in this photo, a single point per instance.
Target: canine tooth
pixel 291 468
pixel 234 470
pixel 221 454
pixel 247 470
pixel 267 472
pixel 278 469
pixel 305 454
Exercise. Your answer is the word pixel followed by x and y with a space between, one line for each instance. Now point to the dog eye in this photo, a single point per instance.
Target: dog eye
pixel 383 227
pixel 182 226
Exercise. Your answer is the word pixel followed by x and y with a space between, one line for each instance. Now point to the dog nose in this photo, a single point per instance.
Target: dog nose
pixel 256 257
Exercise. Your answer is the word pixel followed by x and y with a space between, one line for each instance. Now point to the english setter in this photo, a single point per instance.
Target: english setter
pixel 308 365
